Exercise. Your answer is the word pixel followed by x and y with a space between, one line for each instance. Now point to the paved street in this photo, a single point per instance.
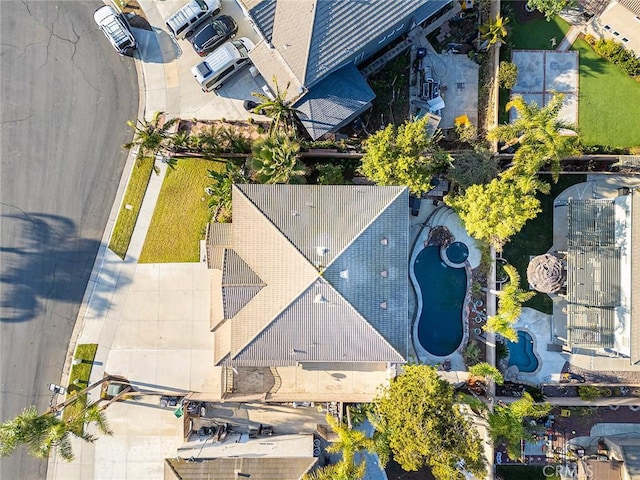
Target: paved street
pixel 66 96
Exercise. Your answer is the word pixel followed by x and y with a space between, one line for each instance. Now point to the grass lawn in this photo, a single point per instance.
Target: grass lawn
pixel 181 215
pixel 609 101
pixel 537 237
pixel 79 378
pixel 537 35
pixel 126 221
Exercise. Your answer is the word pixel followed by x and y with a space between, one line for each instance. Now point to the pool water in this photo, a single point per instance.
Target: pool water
pixel 443 290
pixel 521 354
pixel 457 252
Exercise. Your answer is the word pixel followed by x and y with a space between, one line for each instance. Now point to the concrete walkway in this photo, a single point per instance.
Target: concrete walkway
pixel 572 34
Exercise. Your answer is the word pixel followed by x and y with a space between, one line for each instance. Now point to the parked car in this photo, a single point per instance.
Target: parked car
pixel 211 34
pixel 222 64
pixel 116 28
pixel 184 22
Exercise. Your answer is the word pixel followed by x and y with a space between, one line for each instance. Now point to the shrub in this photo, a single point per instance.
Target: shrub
pixel 618 55
pixel 588 392
pixel 507 74
pixel 501 350
pixel 331 174
pixel 471 354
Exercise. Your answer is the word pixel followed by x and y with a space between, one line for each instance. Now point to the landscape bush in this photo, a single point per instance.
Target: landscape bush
pixel 616 54
pixel 507 74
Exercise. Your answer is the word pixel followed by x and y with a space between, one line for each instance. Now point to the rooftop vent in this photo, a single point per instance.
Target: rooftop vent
pixel 383 305
pixel 294 213
pixel 384 273
pixel 384 241
pixel 310 205
pixel 344 274
pixel 321 251
pixel 319 298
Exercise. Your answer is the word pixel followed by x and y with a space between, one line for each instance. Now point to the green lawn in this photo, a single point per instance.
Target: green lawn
pixel 609 101
pixel 181 214
pixel 79 378
pixel 127 217
pixel 537 237
pixel 537 35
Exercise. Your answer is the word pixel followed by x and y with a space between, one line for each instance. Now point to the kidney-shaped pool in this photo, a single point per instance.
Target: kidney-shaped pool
pixel 443 290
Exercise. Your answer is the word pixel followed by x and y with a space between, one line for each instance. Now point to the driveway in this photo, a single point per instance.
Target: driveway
pixel 66 97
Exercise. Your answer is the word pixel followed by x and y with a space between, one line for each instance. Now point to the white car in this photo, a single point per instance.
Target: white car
pixel 116 28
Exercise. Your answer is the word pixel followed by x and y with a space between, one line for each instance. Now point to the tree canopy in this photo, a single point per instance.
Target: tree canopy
pixel 278 108
pixel 496 211
pixel 417 416
pixel 506 422
pixel 539 133
pixel 403 155
pixel 152 136
pixel 275 160
pixel 220 190
pixel 42 433
pixel 494 31
pixel 472 167
pixel 551 8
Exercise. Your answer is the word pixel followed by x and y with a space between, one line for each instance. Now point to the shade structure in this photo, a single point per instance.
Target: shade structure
pixel 546 273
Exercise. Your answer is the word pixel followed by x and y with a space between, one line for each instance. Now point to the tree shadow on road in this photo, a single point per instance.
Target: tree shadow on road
pixel 45 260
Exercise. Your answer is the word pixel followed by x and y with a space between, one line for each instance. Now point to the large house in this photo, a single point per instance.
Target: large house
pixel 316 46
pixel 617 20
pixel 313 278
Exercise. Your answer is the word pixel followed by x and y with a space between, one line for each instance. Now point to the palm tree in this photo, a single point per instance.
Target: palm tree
pixel 220 190
pixel 338 471
pixel 506 422
pixel 486 371
pixel 494 31
pixel 43 433
pixel 538 131
pixel 275 160
pixel 151 136
pixel 278 108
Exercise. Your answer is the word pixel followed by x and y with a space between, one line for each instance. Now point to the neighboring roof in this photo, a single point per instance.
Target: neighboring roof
pixel 632 5
pixel 264 468
pixel 332 264
pixel 594 7
pixel 218 237
pixel 315 37
pixel 338 98
pixel 593 273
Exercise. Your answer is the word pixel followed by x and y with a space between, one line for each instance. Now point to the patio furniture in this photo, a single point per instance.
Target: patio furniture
pixel 565 413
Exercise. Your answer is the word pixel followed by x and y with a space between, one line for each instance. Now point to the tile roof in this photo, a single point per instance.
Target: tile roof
pixel 333 262
pixel 632 5
pixel 261 468
pixel 316 37
pixel 336 99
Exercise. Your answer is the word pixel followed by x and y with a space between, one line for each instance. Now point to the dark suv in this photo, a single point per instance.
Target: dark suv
pixel 212 34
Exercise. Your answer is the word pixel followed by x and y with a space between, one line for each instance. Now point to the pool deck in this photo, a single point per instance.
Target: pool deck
pixel 432 216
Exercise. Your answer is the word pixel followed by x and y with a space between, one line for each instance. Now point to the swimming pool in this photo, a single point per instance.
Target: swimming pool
pixel 521 354
pixel 443 290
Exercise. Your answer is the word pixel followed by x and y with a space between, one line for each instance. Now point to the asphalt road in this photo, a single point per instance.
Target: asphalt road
pixel 65 98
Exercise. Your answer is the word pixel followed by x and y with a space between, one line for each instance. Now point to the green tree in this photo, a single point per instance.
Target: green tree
pixel 338 471
pixel 510 300
pixel 507 422
pixel 472 167
pixel 275 160
pixel 42 433
pixel 551 8
pixel 153 136
pixel 329 174
pixel 498 210
pixel 220 189
pixel 539 133
pixel 486 371
pixel 278 108
pixel 494 31
pixel 404 155
pixel 418 418
pixel 507 74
